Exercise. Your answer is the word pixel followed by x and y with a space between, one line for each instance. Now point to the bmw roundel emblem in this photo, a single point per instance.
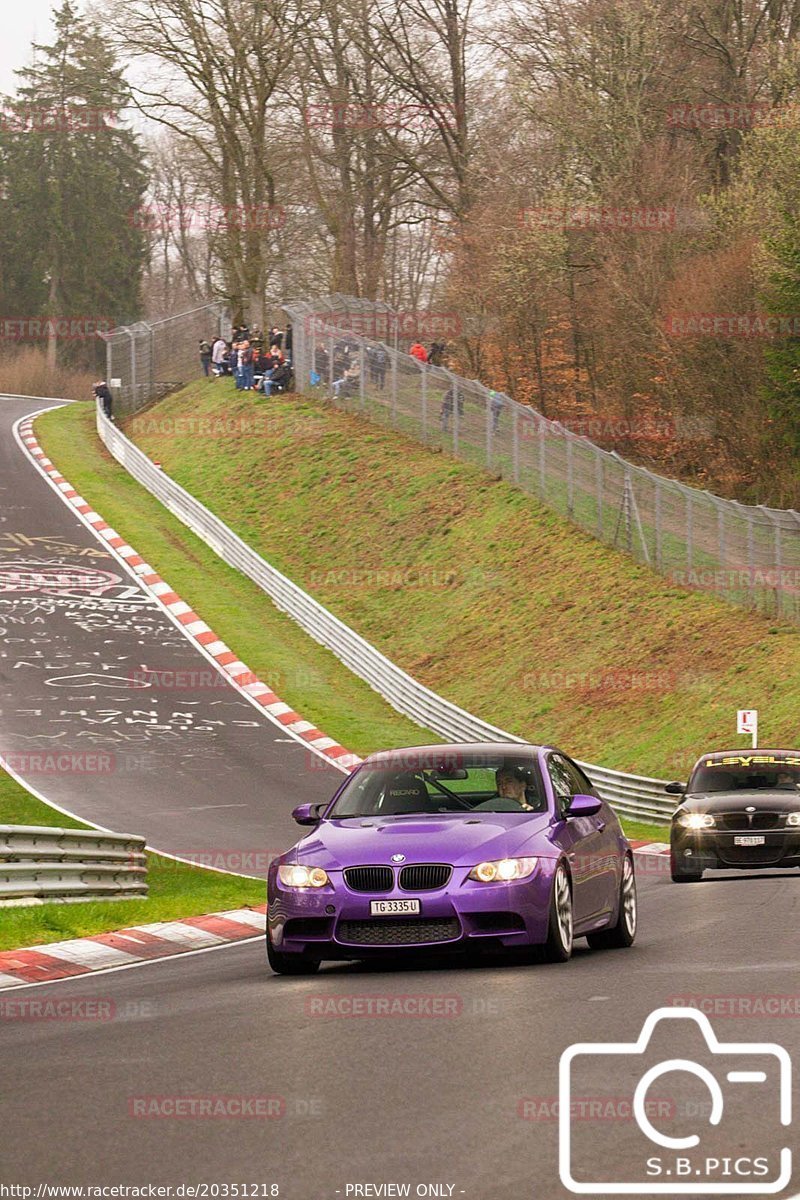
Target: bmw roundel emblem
pixel 398 858
pixel 750 808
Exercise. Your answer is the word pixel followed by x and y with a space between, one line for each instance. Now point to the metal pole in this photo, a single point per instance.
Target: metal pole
pixel 488 407
pixel 598 475
pixel 515 444
pixel 659 562
pixel 133 368
pixel 424 404
pixel 394 386
pixel 330 362
pixel 689 532
pixel 570 488
pixel 456 398
pixel 542 429
pixel 362 374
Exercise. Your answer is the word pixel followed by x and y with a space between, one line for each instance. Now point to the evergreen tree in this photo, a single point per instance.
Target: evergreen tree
pixel 73 177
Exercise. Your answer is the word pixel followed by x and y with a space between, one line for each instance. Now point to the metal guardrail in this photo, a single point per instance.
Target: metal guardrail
pixel 44 865
pixel 632 795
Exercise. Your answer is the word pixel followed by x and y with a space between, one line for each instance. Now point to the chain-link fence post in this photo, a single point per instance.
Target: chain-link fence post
pixel 570 478
pixel 689 533
pixel 515 445
pixel 598 491
pixel 487 400
pixel 394 381
pixel 777 554
pixel 132 337
pixel 456 407
pixel 424 403
pixel 362 374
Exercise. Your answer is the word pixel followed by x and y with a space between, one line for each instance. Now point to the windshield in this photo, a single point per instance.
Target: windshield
pixel 747 772
pixel 462 784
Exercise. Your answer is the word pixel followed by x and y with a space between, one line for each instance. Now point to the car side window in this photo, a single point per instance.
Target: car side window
pixel 581 785
pixel 561 779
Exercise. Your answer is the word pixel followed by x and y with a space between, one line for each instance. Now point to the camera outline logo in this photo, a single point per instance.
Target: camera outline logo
pixel 693 1184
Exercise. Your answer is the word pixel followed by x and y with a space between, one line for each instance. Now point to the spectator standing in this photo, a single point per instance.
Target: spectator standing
pixel 447 407
pixel 287 342
pixel 436 353
pixel 246 356
pixel 219 353
pixel 380 362
pixel 419 352
pixel 102 392
pixel 205 357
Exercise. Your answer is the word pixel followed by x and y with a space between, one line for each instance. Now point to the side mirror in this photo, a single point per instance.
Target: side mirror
pixel 308 814
pixel 675 789
pixel 584 806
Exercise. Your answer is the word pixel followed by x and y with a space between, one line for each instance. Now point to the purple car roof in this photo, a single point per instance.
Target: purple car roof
pixel 386 756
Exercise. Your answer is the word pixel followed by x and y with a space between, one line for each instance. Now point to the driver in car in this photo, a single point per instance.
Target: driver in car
pixel 512 784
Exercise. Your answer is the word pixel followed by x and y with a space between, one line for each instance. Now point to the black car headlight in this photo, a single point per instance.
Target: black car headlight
pixel 696 820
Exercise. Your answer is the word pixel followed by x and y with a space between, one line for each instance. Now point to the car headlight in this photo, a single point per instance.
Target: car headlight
pixel 294 875
pixel 504 870
pixel 793 819
pixel 696 820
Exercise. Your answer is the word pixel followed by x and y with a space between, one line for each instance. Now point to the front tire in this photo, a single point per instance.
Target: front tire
pixel 623 934
pixel 560 927
pixel 290 964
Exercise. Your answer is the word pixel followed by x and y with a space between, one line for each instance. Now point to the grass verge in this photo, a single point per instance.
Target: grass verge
pixel 175 889
pixel 477 589
pixel 303 673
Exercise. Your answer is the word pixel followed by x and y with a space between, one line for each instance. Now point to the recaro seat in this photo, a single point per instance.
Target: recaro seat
pixel 407 793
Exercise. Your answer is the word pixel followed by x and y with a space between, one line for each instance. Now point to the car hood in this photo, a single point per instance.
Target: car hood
pixel 762 799
pixel 447 838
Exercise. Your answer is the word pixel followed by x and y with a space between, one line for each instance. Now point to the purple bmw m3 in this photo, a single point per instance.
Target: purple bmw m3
pixel 453 848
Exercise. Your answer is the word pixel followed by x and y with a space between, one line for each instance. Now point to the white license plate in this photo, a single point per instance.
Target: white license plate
pixel 749 841
pixel 393 908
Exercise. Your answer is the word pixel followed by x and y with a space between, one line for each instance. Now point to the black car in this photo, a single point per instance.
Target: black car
pixel 740 810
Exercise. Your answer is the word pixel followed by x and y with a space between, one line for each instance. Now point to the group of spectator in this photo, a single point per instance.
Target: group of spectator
pixel 257 361
pixel 347 365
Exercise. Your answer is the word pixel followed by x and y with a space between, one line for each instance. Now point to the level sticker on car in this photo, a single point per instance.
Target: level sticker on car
pixel 749 841
pixel 393 908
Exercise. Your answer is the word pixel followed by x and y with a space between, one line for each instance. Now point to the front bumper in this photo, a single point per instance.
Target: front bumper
pixel 335 922
pixel 716 849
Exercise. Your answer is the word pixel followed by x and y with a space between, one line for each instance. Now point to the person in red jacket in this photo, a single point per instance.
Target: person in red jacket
pixel 419 351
